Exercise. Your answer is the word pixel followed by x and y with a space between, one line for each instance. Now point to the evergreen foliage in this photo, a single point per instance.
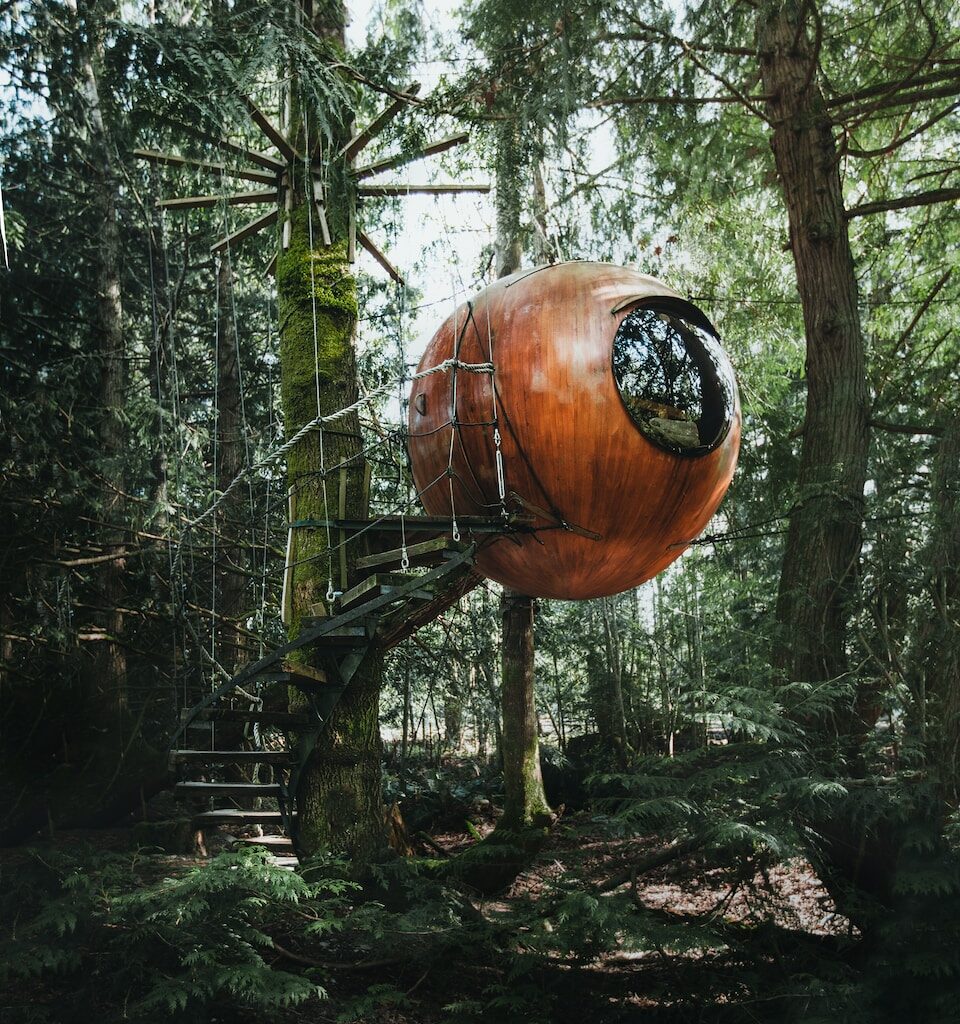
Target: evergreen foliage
pixel 102 935
pixel 728 767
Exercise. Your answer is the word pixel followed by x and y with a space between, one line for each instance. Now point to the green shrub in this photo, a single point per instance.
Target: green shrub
pixel 104 936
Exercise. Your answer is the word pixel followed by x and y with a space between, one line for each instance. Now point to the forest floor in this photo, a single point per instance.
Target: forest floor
pixel 617 987
pixel 791 894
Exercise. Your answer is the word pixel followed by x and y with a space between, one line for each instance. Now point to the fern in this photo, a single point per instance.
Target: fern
pixel 164 948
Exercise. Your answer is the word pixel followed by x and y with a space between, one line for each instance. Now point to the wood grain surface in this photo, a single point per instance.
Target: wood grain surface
pixel 571 452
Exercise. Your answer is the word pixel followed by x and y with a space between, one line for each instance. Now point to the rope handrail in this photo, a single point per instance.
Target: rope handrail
pixel 319 422
pixel 315 424
pixel 454 364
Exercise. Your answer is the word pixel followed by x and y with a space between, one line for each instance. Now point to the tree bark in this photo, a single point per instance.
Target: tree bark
pixel 942 690
pixel 230 580
pixel 508 199
pixel 110 664
pixel 340 801
pixel 613 724
pixel 819 575
pixel 525 803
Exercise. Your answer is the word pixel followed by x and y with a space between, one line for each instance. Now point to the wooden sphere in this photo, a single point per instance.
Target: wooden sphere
pixel 619 423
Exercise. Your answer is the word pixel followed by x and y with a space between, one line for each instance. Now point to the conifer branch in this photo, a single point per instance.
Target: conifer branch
pixel 938 195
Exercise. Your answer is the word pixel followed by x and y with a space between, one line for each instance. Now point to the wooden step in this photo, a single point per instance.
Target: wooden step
pixel 290 863
pixel 231 757
pixel 342 636
pixel 426 554
pixel 280 719
pixel 285 677
pixel 273 843
pixel 237 816
pixel 305 677
pixel 272 676
pixel 379 585
pixel 227 789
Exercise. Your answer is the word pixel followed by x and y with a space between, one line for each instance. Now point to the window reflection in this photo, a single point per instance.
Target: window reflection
pixel 674 378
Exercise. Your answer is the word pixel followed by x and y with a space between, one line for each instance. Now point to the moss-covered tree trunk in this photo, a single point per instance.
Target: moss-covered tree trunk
pixel 525 802
pixel 339 801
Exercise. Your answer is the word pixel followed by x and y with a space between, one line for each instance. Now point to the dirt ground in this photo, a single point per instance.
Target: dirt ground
pixel 620 987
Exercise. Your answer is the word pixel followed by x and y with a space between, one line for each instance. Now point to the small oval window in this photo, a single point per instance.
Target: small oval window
pixel 674 378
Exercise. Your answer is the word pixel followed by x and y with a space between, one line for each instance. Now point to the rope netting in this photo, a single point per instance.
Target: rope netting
pixel 201 547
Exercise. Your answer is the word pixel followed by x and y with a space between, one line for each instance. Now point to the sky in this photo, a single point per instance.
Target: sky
pixel 439 243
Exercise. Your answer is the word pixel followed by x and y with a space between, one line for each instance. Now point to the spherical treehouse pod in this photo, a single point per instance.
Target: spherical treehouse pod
pixel 619 423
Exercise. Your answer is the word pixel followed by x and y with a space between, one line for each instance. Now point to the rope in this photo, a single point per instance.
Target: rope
pixel 308 186
pixel 216 438
pixel 321 421
pixel 454 364
pixel 404 555
pixel 279 453
pixel 497 439
pixel 458 337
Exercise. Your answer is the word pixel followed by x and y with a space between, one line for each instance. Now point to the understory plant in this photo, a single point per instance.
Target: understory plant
pixel 113 937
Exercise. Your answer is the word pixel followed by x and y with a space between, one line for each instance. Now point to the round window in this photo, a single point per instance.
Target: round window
pixel 674 377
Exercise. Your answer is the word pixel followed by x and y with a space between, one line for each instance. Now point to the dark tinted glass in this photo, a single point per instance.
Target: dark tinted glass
pixel 674 379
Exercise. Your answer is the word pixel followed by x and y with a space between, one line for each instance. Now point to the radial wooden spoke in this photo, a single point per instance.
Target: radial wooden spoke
pixel 379 257
pixel 272 163
pixel 270 130
pixel 401 160
pixel 174 160
pixel 377 125
pixel 262 159
pixel 246 231
pixel 401 189
pixel 231 199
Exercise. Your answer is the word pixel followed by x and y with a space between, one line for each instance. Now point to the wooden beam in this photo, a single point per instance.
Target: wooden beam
pixel 379 257
pixel 173 160
pixel 401 189
pixel 260 159
pixel 419 524
pixel 270 130
pixel 263 159
pixel 321 212
pixel 271 267
pixel 361 139
pixel 431 149
pixel 231 199
pixel 246 231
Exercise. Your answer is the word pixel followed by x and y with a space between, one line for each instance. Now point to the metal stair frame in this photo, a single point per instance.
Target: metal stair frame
pixel 314 633
pixel 321 699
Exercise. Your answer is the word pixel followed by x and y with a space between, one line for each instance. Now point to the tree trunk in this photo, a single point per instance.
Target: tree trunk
pixel 820 567
pixel 942 690
pixel 110 663
pixel 509 171
pixel 230 581
pixel 524 800
pixel 525 803
pixel 614 720
pixel 340 800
